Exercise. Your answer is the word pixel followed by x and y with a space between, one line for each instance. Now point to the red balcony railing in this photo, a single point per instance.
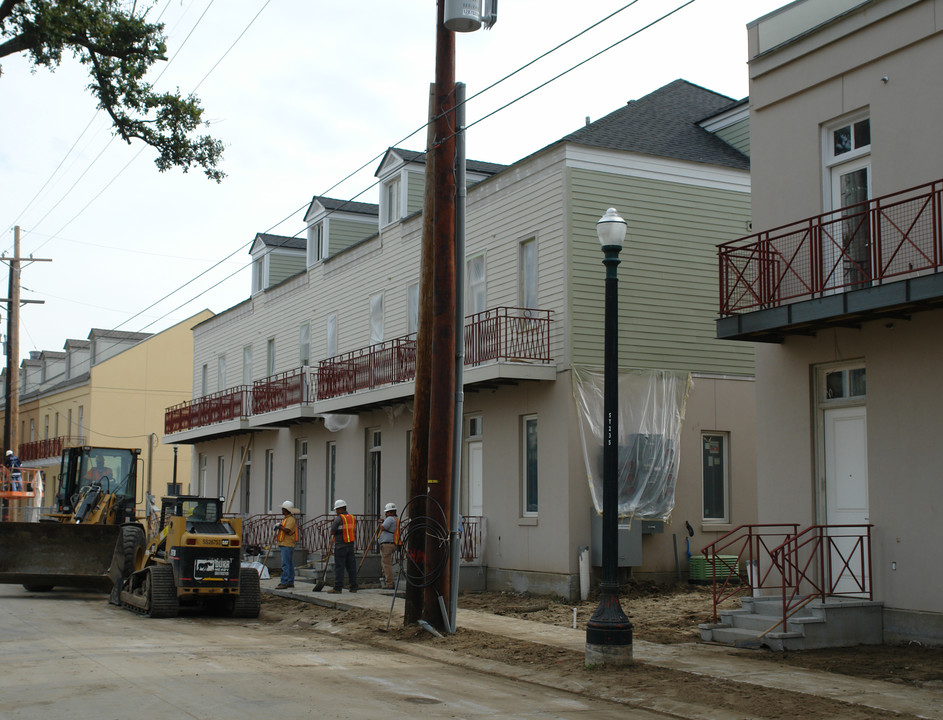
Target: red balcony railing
pixel 884 239
pixel 283 390
pixel 503 333
pixel 48 448
pixel 232 404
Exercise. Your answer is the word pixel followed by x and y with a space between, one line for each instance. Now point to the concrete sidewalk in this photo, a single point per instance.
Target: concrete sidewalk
pixel 721 662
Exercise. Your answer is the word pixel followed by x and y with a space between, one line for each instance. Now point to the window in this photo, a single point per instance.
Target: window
pixel 258 275
pixel 246 475
pixel 304 344
pixel 221 373
pixel 331 474
pixel 372 494
pixel 315 246
pixel 714 476
pixel 81 426
pixel 204 379
pixel 391 201
pixel 56 429
pixel 332 335
pixel 845 384
pixel 46 428
pixel 412 308
pixel 270 357
pixel 69 423
pixel 475 285
pixel 376 319
pixel 301 473
pixel 269 478
pixel 528 279
pixel 247 365
pixel 201 475
pixel 220 476
pixel 852 137
pixel 529 465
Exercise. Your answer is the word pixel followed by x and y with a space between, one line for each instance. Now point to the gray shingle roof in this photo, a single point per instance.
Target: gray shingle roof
pixel 351 206
pixel 664 124
pixel 293 243
pixel 476 166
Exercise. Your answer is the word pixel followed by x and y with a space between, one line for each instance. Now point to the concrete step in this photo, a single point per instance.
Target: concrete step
pixel 738 637
pixel 746 620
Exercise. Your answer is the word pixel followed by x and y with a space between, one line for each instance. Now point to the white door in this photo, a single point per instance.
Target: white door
pixel 475 479
pixel 846 490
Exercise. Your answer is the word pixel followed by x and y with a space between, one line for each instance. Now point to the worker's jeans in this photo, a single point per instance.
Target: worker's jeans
pixel 344 559
pixel 288 565
pixel 386 562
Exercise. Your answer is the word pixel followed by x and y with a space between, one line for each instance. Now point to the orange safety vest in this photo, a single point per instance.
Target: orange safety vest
pixel 287 531
pixel 347 528
pixel 396 534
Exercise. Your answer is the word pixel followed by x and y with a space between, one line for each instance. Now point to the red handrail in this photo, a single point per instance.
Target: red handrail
pixel 857 246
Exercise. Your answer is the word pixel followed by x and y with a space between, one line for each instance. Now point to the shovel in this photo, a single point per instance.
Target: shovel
pixel 365 552
pixel 319 585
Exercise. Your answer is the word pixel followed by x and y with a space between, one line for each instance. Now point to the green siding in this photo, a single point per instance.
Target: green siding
pixel 414 192
pixel 344 233
pixel 737 135
pixel 668 281
pixel 284 266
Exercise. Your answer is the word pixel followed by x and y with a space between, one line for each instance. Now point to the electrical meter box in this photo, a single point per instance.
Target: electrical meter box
pixel 629 544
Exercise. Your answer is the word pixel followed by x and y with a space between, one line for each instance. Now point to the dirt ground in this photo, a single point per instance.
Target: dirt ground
pixel 663 614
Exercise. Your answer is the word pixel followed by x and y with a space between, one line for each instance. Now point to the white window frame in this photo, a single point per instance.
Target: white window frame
pixel 391 200
pixel 315 246
pixel 412 307
pixel 331 331
pixel 330 474
pixel 376 319
pixel 269 479
pixel 201 475
pixel 724 440
pixel 247 365
pixel 304 344
pixel 221 373
pixel 529 506
pixel 528 273
pixel 220 476
pixel 204 380
pixel 270 357
pixel 258 274
pixel 476 288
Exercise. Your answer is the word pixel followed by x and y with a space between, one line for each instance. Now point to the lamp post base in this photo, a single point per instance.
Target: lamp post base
pixel 609 633
pixel 609 654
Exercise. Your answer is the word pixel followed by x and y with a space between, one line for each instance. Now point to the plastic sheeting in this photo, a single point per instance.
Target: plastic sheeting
pixel 651 412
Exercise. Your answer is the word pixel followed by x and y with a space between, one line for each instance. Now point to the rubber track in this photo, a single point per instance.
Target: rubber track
pixel 163 601
pixel 249 602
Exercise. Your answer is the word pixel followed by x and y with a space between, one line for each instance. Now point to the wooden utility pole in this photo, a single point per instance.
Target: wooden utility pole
pixel 442 388
pixel 12 386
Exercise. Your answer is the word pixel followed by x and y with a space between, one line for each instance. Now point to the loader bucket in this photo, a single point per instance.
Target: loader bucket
pixel 46 554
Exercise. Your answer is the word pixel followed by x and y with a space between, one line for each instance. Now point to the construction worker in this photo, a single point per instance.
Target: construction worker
pixel 286 537
pixel 99 472
pixel 344 532
pixel 389 542
pixel 16 476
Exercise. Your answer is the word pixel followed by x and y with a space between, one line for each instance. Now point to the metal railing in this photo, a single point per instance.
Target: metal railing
pixel 25 486
pixel 825 561
pixel 47 448
pixel 294 387
pixel 502 333
pixel 232 404
pixel 755 567
pixel 858 246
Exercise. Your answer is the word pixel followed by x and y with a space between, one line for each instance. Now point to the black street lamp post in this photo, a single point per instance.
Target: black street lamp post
pixel 609 631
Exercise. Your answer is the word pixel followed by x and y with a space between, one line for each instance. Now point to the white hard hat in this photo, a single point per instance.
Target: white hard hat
pixel 289 506
pixel 389 506
pixel 9 452
pixel 339 504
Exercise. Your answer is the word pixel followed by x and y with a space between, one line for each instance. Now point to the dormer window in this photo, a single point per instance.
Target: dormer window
pixel 391 201
pixel 317 243
pixel 258 275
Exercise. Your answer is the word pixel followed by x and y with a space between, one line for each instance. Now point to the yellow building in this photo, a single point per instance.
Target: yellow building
pixel 108 391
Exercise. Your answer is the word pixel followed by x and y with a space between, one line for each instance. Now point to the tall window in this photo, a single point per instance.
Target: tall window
pixel 412 308
pixel 204 380
pixel 269 478
pixel 221 373
pixel 332 335
pixel 270 357
pixel 391 201
pixel 201 475
pixel 301 473
pixel 529 464
pixel 714 476
pixel 46 428
pixel 376 319
pixel 258 275
pixel 475 285
pixel 220 476
pixel 315 245
pixel 372 499
pixel 56 429
pixel 246 475
pixel 528 279
pixel 247 365
pixel 331 475
pixel 69 421
pixel 81 427
pixel 847 260
pixel 304 344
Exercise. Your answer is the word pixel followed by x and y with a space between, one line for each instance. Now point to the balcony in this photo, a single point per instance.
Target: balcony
pixel 47 449
pixel 501 345
pixel 878 259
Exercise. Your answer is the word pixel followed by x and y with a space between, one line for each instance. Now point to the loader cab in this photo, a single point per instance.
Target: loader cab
pixel 111 470
pixel 202 514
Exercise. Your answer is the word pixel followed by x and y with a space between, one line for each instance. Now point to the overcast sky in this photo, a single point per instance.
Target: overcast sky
pixel 302 93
